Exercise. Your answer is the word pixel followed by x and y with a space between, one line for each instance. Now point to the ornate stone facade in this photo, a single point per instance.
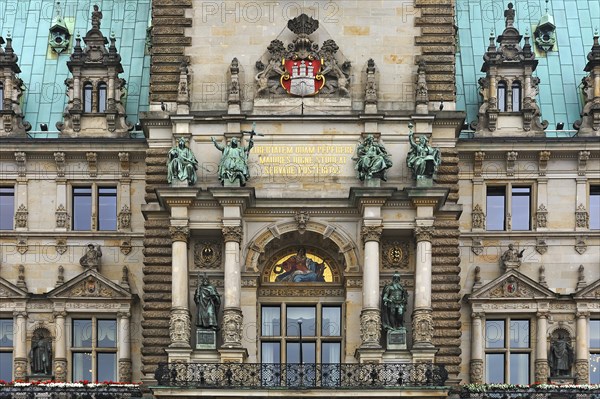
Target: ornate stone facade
pixel 476 371
pixel 422 327
pixel 232 328
pixel 180 328
pixel 370 328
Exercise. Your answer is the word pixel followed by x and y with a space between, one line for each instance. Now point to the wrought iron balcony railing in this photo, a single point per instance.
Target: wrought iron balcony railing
pixel 301 376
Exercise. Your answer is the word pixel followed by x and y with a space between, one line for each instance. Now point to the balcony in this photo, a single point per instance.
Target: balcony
pixel 252 376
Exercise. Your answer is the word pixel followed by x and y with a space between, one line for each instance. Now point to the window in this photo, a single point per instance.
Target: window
pixel 516 96
pixel 94 350
pixel 7 208
pixel 6 347
pixel 87 97
pixel 519 203
pixel 102 97
pixel 84 202
pixel 507 351
pixel 317 328
pixel 594 208
pixel 501 96
pixel 594 347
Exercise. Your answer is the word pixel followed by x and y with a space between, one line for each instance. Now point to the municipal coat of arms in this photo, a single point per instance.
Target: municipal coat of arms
pixel 302 68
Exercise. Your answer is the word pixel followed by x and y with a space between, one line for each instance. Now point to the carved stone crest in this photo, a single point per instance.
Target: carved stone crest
pixel 395 254
pixel 207 255
pixel 580 245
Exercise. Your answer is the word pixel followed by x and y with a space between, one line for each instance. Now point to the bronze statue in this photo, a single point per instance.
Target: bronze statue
pixel 40 354
pixel 182 164
pixel 91 259
pixel 561 356
pixel 207 300
pixel 372 160
pixel 394 298
pixel 234 162
pixel 422 158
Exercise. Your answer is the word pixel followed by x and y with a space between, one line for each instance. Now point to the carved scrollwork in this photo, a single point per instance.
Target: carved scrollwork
pixel 124 217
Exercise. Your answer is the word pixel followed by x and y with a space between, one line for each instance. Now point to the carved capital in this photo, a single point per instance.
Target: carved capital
pixel 232 233
pixel 582 314
pixel 476 371
pixel 20 313
pixel 542 370
pixel 424 233
pixel 542 315
pixel 370 328
pixel 232 328
pixel 477 315
pixel 179 233
pixel 58 314
pixel 124 315
pixel 422 326
pixel 180 328
pixel 371 233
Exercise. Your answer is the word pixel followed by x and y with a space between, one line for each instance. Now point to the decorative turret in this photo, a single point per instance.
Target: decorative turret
pixel 509 90
pixel 95 107
pixel 11 90
pixel 589 124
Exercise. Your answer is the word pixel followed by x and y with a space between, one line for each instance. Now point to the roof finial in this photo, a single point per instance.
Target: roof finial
pixel 509 15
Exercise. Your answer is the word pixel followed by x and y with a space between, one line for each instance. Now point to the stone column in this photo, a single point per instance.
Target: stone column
pixel 20 342
pixel 60 346
pixel 370 316
pixel 422 322
pixel 180 322
pixel 232 313
pixel 124 349
pixel 476 348
pixel 582 366
pixel 542 371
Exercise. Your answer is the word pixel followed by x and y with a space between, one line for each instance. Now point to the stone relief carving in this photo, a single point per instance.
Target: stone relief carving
pixel 581 283
pixel 371 83
pixel 477 217
pixel 22 246
pixel 60 280
pixel 580 245
pixel 91 257
pixel 477 246
pixel 543 158
pixel 511 258
pixel 371 233
pixel 59 159
pixel 476 371
pixel 301 218
pixel 232 328
pixel 92 160
pixel 511 287
pixel 511 158
pixel 478 163
pixel 124 217
pixel 207 255
pixel 422 327
pixel 124 163
pixel 21 159
pixel 21 278
pixel 582 217
pixel 370 328
pixel 395 254
pixel 126 246
pixel 90 287
pixel 541 216
pixel 541 246
pixel 61 245
pixel 542 370
pixel 583 157
pixel 60 370
pixel 62 217
pixel 125 370
pixel 542 276
pixel 180 328
pixel 21 217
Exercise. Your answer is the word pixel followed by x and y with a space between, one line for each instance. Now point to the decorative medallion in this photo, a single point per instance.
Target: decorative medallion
pixel 207 254
pixel 395 255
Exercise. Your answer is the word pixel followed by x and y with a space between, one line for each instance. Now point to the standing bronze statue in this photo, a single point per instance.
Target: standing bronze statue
pixel 561 356
pixel 207 300
pixel 182 164
pixel 40 354
pixel 394 298
pixel 234 162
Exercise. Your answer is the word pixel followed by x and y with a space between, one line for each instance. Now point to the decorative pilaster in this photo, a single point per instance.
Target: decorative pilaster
pixel 542 370
pixel 232 314
pixel 124 347
pixel 20 345
pixel 582 372
pixel 60 346
pixel 476 348
pixel 370 317
pixel 422 322
pixel 180 321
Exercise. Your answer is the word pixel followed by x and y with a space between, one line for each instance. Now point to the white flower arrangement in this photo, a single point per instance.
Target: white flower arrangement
pixel 533 387
pixel 79 384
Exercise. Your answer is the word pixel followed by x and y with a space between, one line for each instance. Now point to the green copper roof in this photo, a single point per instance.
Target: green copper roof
pixel 560 71
pixel 44 72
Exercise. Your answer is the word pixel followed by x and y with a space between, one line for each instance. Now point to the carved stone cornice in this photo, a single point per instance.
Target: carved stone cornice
pixel 371 233
pixel 232 233
pixel 424 233
pixel 179 233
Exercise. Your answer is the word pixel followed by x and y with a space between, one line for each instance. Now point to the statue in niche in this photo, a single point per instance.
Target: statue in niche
pixel 182 164
pixel 40 354
pixel 208 301
pixel 372 160
pixel 299 269
pixel 394 298
pixel 511 257
pixel 561 356
pixel 91 259
pixel 422 158
pixel 234 162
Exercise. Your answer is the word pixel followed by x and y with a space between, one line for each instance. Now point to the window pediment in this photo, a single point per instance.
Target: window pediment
pixel 512 285
pixel 9 290
pixel 592 291
pixel 90 284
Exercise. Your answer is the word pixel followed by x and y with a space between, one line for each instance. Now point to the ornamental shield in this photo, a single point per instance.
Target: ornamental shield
pixel 302 76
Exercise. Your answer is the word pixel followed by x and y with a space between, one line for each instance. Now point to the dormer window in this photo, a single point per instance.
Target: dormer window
pixel 87 97
pixel 501 96
pixel 1 96
pixel 102 90
pixel 516 96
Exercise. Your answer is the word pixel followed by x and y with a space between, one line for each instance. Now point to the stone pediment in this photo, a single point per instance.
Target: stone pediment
pixel 9 290
pixel 592 291
pixel 90 284
pixel 512 285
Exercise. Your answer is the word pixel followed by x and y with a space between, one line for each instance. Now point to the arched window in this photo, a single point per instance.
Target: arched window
pixel 87 97
pixel 1 96
pixel 102 97
pixel 501 97
pixel 516 96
